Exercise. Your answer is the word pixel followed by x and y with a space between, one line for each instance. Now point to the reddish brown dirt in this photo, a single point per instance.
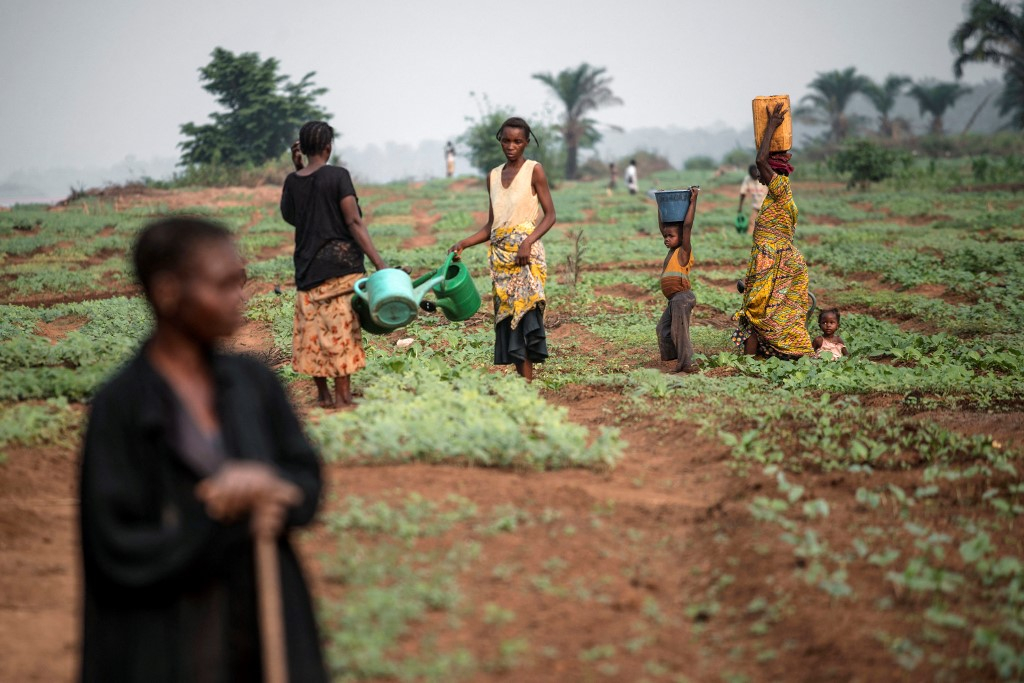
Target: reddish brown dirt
pixel 464 184
pixel 59 328
pixel 423 224
pixel 39 562
pixel 821 219
pixel 673 486
pixel 1006 429
pixel 53 298
pixel 991 187
pixel 626 290
pixel 218 197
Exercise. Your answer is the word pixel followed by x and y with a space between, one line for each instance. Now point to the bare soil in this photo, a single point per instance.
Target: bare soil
pixel 674 486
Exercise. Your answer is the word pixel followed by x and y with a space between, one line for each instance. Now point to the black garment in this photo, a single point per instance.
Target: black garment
pixel 527 342
pixel 674 330
pixel 324 247
pixel 170 594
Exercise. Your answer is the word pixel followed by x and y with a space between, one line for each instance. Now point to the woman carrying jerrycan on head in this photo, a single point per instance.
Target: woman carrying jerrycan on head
pixel 518 190
pixel 330 243
pixel 773 319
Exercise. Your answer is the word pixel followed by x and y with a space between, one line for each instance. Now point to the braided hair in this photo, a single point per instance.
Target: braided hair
pixel 833 311
pixel 315 137
pixel 517 122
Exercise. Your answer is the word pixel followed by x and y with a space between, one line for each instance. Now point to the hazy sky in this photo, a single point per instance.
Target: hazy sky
pixel 88 83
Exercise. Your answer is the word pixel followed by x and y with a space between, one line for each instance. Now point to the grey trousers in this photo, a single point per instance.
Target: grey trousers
pixel 674 330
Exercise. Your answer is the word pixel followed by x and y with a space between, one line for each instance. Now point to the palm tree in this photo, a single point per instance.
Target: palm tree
pixel 833 90
pixel 582 90
pixel 994 32
pixel 935 98
pixel 883 97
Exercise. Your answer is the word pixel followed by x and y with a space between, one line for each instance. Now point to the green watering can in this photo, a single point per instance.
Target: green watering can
pixel 455 291
pixel 362 309
pixel 387 300
pixel 741 223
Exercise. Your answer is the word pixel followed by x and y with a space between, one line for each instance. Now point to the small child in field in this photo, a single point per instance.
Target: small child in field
pixel 828 321
pixel 674 326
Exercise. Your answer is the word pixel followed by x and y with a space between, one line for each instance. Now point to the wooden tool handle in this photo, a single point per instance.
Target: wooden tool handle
pixel 268 582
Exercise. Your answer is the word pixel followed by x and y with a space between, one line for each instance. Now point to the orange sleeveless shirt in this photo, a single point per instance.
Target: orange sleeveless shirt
pixel 675 277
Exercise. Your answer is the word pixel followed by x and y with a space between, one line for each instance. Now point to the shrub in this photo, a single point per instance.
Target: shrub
pixel 865 162
pixel 700 163
pixel 739 157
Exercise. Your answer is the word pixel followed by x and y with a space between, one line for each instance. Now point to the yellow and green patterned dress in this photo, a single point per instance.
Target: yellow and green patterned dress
pixel 519 299
pixel 775 301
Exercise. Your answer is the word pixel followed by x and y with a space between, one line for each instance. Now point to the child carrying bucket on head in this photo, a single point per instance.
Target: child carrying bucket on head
pixel 674 326
pixel 518 191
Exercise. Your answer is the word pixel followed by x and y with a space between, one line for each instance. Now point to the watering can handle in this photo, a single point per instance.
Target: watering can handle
pixel 428 275
pixel 425 282
pixel 359 289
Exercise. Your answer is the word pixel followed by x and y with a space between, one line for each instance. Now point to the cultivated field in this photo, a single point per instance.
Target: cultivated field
pixel 759 521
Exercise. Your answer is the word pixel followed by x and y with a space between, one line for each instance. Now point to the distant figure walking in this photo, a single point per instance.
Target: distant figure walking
pixel 752 187
pixel 612 173
pixel 449 159
pixel 518 192
pixel 632 180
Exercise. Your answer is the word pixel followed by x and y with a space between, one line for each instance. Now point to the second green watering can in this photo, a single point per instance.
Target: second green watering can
pixel 390 297
pixel 456 293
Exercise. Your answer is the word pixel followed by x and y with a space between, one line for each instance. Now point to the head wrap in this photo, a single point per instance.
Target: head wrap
pixel 780 163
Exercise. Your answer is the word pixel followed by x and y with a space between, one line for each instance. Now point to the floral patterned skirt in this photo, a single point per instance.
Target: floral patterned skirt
pixel 326 338
pixel 517 289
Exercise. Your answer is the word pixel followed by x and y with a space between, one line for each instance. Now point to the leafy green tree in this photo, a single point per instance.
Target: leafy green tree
pixel 993 32
pixel 831 93
pixel 582 90
pixel 883 96
pixel 935 98
pixel 262 111
pixel 484 151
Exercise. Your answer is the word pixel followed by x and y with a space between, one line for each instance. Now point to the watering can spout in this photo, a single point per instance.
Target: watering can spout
pixel 428 281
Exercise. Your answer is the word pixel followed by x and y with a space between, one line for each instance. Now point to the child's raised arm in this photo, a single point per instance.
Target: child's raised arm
pixel 688 222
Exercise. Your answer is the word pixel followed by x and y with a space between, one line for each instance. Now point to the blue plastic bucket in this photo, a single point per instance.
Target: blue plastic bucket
pixel 672 205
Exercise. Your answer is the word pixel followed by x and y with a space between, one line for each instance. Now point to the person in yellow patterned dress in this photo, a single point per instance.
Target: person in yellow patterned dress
pixel 519 192
pixel 772 321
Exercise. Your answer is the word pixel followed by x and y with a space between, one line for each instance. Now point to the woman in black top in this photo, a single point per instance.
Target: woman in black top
pixel 189 453
pixel 331 241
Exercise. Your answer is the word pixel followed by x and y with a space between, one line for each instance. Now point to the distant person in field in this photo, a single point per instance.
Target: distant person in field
pixel 674 326
pixel 519 193
pixel 751 187
pixel 189 454
pixel 772 321
pixel 449 159
pixel 331 241
pixel 632 180
pixel 828 321
pixel 612 176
